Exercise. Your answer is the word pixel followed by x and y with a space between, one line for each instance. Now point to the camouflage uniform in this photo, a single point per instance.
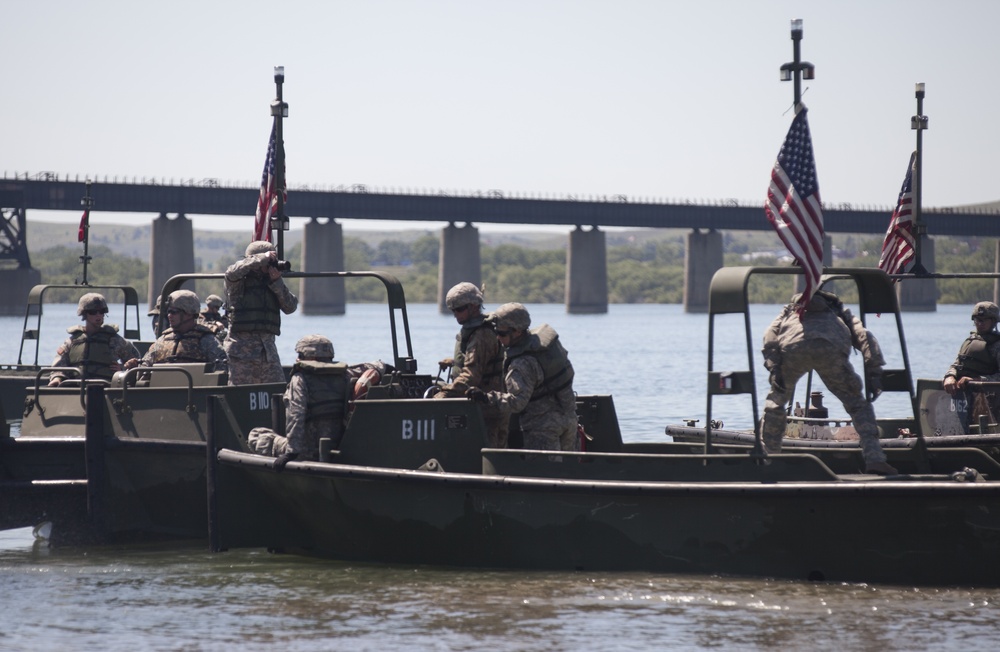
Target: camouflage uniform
pixel 821 341
pixel 211 318
pixel 196 345
pixel 482 363
pixel 545 405
pixel 253 355
pixel 315 406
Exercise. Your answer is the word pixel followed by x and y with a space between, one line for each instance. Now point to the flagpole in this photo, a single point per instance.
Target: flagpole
pixel 88 203
pixel 797 69
pixel 279 109
pixel 919 123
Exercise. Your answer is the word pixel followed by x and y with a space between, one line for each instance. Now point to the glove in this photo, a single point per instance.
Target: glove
pixel 282 460
pixel 477 395
pixel 874 387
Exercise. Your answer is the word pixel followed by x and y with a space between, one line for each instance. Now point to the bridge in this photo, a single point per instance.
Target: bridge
pixel 586 289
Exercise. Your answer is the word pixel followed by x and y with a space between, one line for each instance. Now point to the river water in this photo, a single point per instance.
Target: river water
pixel 653 359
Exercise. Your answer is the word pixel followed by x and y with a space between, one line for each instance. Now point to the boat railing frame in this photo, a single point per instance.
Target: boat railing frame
pixel 728 294
pixel 395 298
pixel 36 298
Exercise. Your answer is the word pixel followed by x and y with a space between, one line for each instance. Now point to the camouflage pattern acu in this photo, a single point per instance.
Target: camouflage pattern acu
pixel 200 346
pixel 821 341
pixel 481 369
pixel 986 309
pixel 155 310
pixel 548 423
pixel 259 247
pixel 185 301
pixel 512 315
pixel 214 302
pixel 315 347
pixel 253 358
pixel 303 431
pixel 463 294
pixel 91 301
pixel 121 349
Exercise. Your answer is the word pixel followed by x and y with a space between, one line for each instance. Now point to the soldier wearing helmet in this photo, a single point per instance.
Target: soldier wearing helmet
pixel 538 381
pixel 256 295
pixel 478 358
pixel 315 403
pixel 154 312
pixel 186 340
pixel 211 317
pixel 978 359
pixel 821 338
pixel 95 348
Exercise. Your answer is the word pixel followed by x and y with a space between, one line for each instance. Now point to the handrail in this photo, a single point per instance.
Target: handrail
pixel 132 373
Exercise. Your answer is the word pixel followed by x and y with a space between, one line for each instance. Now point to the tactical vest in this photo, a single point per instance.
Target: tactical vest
pixel 326 388
pixel 257 310
pixel 543 344
pixel 186 346
pixel 495 366
pixel 92 353
pixel 974 358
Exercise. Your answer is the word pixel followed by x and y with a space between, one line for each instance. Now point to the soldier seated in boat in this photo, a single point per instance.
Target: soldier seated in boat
pixel 538 382
pixel 478 360
pixel 186 340
pixel 820 340
pixel 315 405
pixel 154 312
pixel 95 347
pixel 978 359
pixel 211 318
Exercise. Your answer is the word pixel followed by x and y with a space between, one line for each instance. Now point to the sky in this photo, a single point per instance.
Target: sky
pixel 649 98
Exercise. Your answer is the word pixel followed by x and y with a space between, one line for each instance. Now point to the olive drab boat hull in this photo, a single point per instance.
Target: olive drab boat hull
pixel 413 484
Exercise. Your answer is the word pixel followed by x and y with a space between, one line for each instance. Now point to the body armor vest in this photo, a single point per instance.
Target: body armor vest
pixel 180 347
pixel 257 310
pixel 495 366
pixel 92 353
pixel 326 386
pixel 543 343
pixel 974 357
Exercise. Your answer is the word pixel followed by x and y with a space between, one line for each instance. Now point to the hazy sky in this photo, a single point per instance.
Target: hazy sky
pixel 645 98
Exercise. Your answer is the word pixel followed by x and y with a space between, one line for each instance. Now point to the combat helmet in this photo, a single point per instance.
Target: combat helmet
pixel 986 309
pixel 214 301
pixel 512 315
pixel 463 294
pixel 91 301
pixel 315 347
pixel 185 301
pixel 259 247
pixel 155 310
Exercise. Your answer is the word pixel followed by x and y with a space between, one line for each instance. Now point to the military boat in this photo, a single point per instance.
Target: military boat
pixel 97 461
pixel 413 483
pixel 931 421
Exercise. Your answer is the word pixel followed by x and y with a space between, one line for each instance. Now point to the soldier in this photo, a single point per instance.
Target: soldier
pixel 978 359
pixel 186 340
pixel 478 360
pixel 95 347
pixel 154 312
pixel 538 379
pixel 821 340
pixel 315 403
pixel 257 296
pixel 211 318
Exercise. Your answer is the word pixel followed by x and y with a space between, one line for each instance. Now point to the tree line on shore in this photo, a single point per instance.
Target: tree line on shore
pixel 648 271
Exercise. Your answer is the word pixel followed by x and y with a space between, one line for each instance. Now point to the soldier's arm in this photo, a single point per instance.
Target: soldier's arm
pixel 295 414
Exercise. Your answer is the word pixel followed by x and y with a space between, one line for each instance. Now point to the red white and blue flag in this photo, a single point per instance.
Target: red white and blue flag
pixel 898 247
pixel 267 204
pixel 793 205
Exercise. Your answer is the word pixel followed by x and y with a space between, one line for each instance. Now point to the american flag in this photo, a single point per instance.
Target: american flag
pixel 898 247
pixel 268 201
pixel 793 205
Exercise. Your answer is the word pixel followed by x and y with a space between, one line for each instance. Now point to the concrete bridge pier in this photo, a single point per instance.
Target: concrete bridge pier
pixel 458 260
pixel 702 258
pixel 920 296
pixel 171 251
pixel 14 287
pixel 322 251
pixel 587 272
